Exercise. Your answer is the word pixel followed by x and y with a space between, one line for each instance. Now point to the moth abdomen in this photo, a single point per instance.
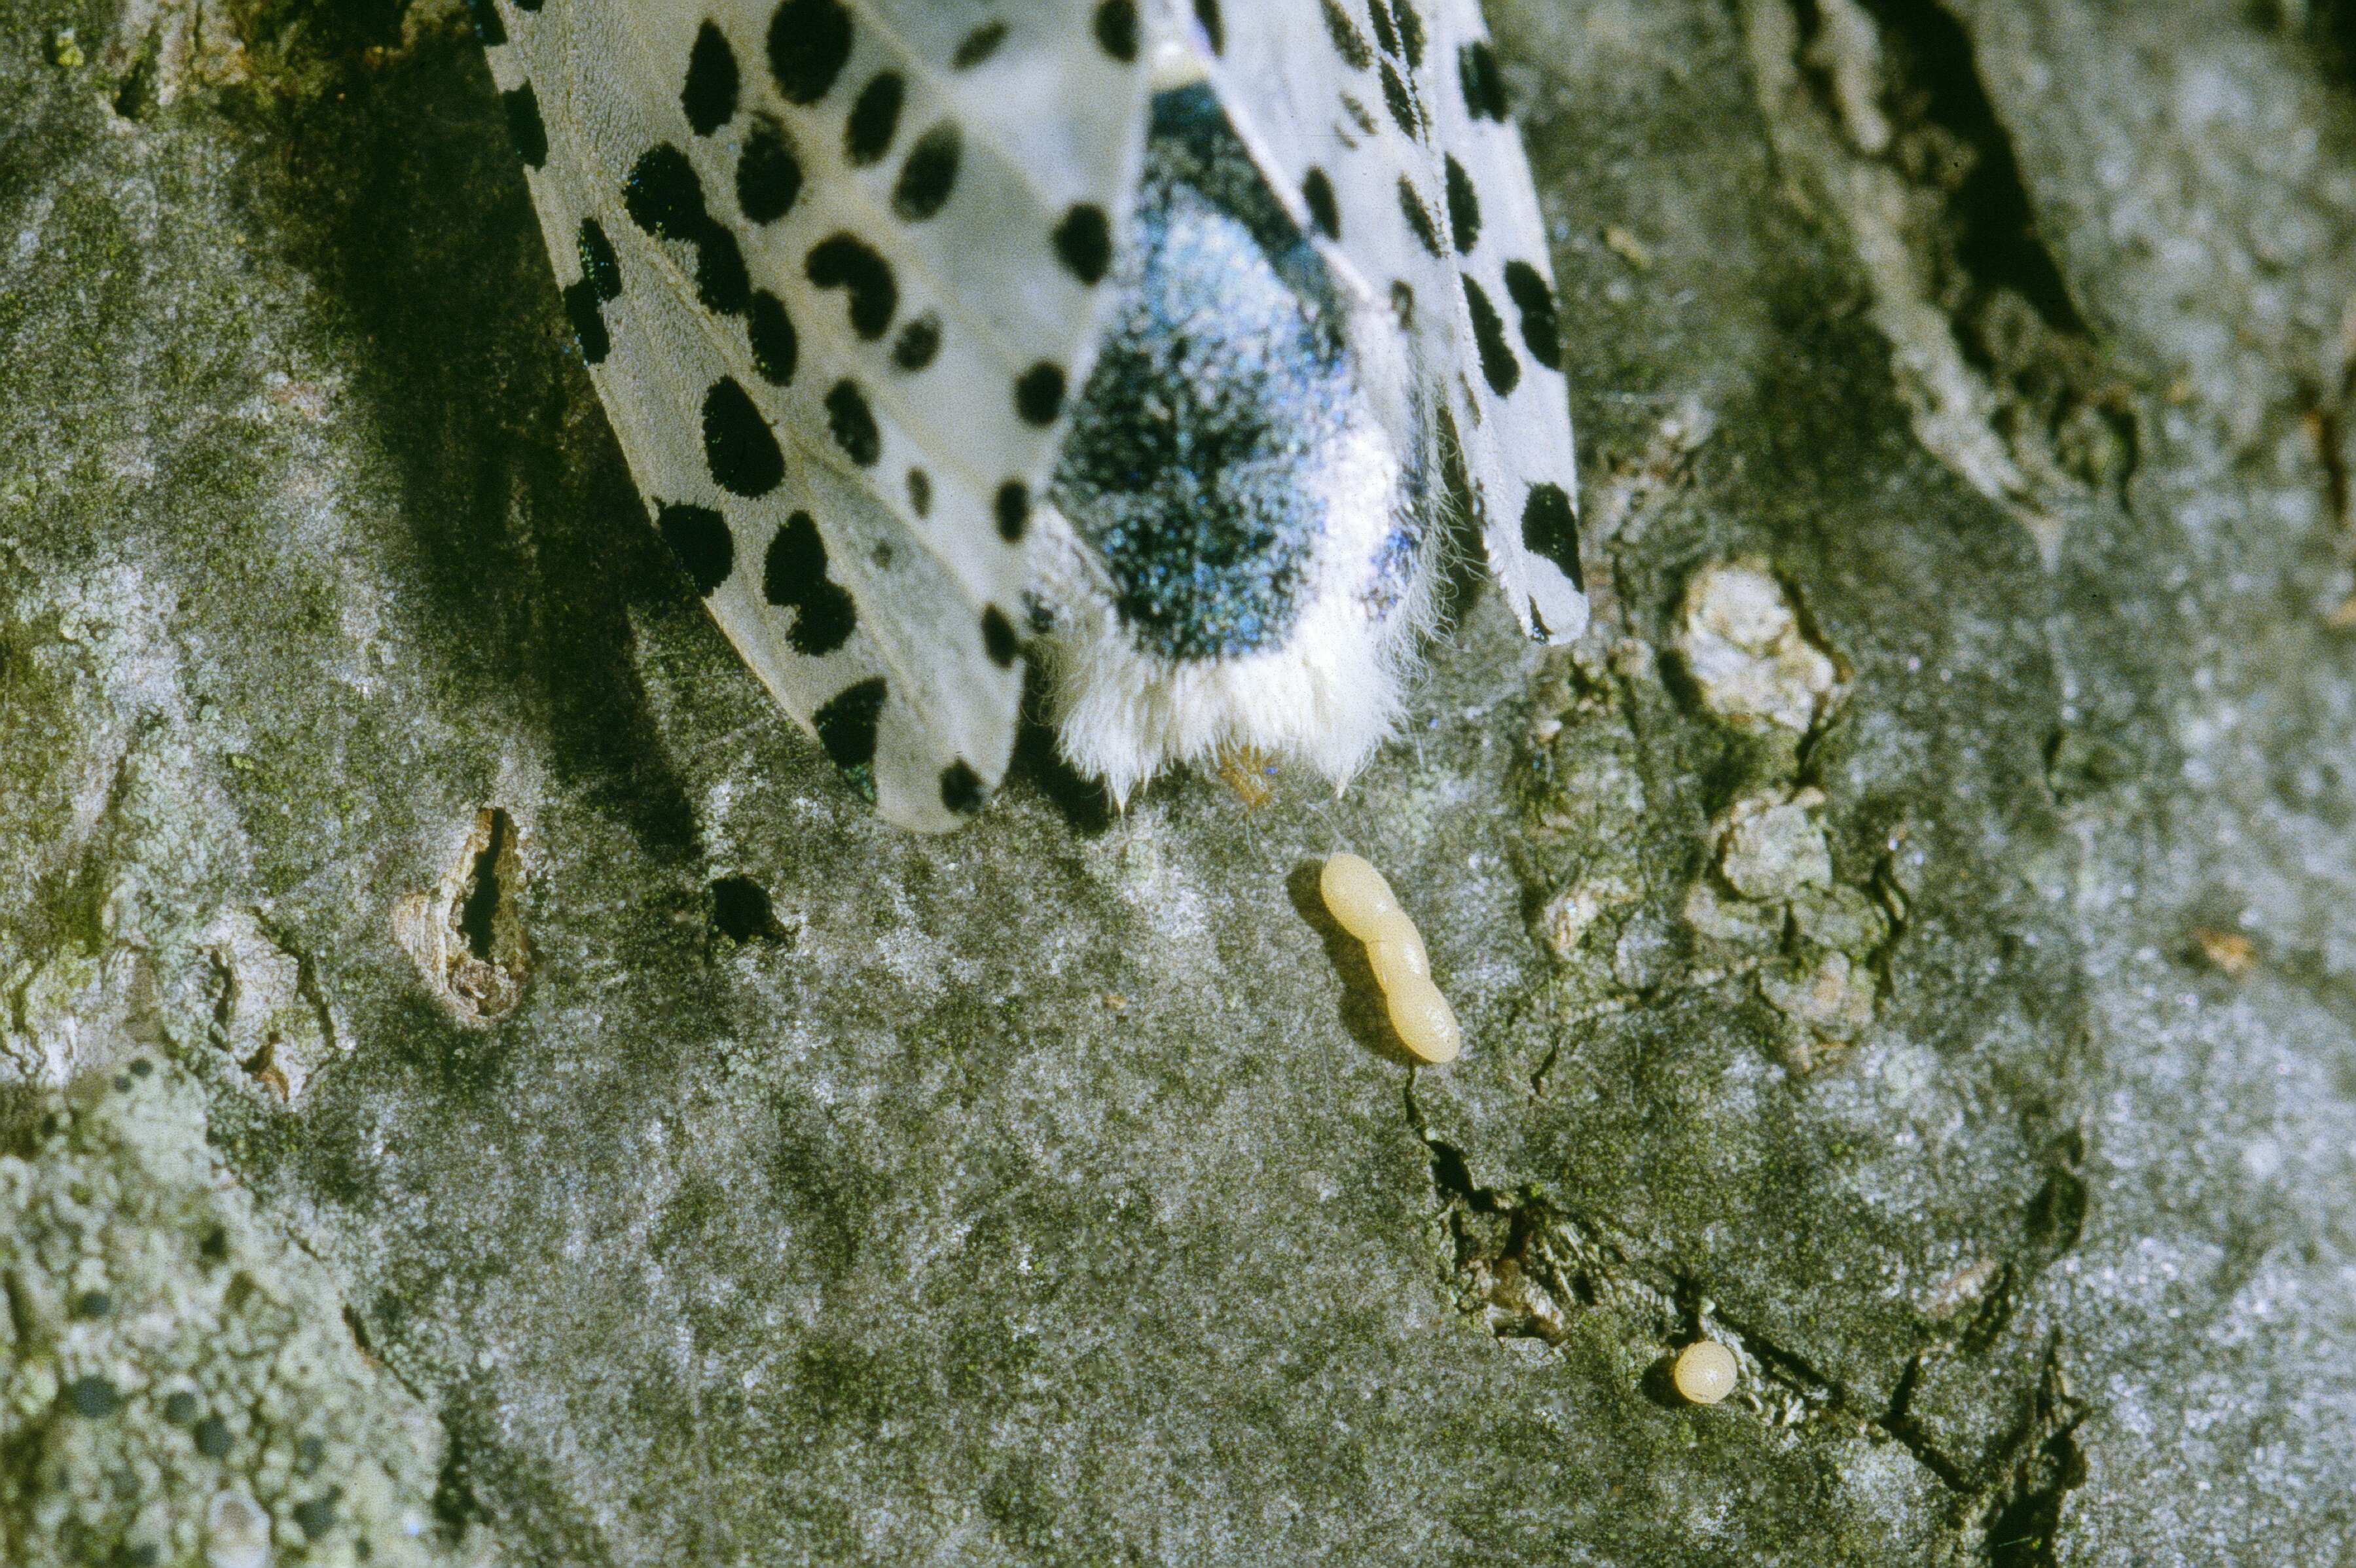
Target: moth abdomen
pixel 1233 521
pixel 1192 463
pixel 1143 319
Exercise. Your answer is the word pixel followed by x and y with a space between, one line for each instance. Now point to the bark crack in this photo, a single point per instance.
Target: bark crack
pixel 1878 111
pixel 1523 1264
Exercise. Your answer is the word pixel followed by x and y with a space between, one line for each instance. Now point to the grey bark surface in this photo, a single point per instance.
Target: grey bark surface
pixel 464 1044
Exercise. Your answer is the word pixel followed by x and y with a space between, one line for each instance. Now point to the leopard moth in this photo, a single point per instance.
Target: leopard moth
pixel 1150 341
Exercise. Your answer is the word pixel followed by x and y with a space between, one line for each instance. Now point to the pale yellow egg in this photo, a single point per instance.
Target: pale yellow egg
pixel 1426 1024
pixel 1356 894
pixel 1706 1371
pixel 1395 951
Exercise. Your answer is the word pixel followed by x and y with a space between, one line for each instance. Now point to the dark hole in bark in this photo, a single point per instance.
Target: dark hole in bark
pixel 741 911
pixel 482 902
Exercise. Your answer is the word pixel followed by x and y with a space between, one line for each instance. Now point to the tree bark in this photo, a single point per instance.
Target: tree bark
pixel 464 1044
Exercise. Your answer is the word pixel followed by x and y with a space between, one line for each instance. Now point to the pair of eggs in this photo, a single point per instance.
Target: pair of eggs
pixel 1706 1371
pixel 1365 906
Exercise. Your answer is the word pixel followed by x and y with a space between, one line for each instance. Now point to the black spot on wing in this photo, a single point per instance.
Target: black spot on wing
pixel 721 281
pixel 600 281
pixel 1399 100
pixel 997 639
pixel 1317 191
pixel 1116 29
pixel 853 423
pixel 793 577
pixel 663 194
pixel 848 262
pixel 1403 304
pixel 1498 366
pixel 524 128
pixel 920 492
pixel 768 174
pixel 600 268
pixel 1348 42
pixel 699 537
pixel 1214 27
pixel 489 31
pixel 1358 117
pixel 810 43
pixel 846 726
pixel 664 197
pixel 1410 32
pixel 1084 241
pixel 1039 393
pixel 1419 217
pixel 978 46
pixel 1483 83
pixel 918 344
pixel 584 309
pixel 962 791
pixel 1541 334
pixel 1551 528
pixel 777 347
pixel 738 447
pixel 929 175
pixel 1386 34
pixel 709 95
pixel 1463 208
pixel 1012 506
pixel 874 119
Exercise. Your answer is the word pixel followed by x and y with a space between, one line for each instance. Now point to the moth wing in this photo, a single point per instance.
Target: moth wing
pixel 836 277
pixel 1525 480
pixel 1385 128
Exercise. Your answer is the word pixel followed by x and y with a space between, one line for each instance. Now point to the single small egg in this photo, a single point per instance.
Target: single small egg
pixel 1356 894
pixel 1705 1371
pixel 1395 951
pixel 1425 1022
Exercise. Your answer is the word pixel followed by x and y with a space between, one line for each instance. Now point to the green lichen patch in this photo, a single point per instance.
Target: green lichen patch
pixel 178 1383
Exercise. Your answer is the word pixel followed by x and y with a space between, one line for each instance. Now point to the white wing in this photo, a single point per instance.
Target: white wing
pixel 1527 479
pixel 1386 123
pixel 834 266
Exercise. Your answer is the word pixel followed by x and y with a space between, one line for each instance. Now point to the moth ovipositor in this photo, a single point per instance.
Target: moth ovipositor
pixel 1135 340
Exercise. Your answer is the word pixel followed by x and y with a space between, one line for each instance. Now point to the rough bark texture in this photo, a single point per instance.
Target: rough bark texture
pixel 1912 941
